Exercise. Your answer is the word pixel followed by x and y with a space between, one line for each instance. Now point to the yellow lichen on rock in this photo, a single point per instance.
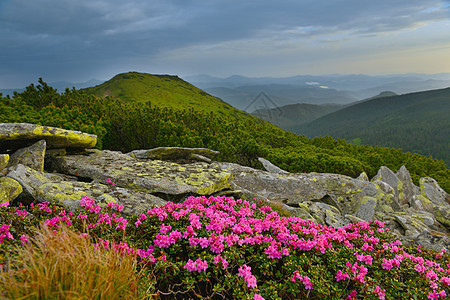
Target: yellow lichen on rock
pixel 4 159
pixel 10 189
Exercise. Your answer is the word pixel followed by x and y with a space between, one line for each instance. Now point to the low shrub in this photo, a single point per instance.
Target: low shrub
pixel 222 248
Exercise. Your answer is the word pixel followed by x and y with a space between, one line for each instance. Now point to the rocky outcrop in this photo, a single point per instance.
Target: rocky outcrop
pixel 145 178
pixel 171 180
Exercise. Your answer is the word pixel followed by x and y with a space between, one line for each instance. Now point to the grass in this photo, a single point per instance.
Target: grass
pixel 62 264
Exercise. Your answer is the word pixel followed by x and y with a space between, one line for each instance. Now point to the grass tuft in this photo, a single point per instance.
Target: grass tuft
pixel 63 264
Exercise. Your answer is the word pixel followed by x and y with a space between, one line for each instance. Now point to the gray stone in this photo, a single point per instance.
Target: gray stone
pixel 173 153
pixel 366 209
pixel 407 189
pixel 29 179
pixel 442 215
pixel 431 189
pixel 363 177
pixel 32 156
pixel 270 167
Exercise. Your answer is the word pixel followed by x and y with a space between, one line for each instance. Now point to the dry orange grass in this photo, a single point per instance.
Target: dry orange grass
pixel 63 265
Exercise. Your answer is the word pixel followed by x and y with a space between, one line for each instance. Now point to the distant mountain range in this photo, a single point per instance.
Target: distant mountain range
pixel 241 91
pixel 416 122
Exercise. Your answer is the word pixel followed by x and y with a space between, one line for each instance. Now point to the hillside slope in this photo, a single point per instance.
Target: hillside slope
pixel 162 91
pixel 416 122
pixel 295 114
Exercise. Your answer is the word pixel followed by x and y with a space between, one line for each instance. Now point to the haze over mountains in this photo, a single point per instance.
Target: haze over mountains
pixel 241 91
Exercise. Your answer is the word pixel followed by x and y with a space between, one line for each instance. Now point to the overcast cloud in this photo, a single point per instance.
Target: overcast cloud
pixel 84 39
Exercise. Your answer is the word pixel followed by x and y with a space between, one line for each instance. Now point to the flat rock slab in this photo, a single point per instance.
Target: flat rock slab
pixel 173 153
pixel 154 176
pixel 18 135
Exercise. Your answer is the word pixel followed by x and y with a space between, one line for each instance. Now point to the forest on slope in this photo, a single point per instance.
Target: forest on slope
pixel 241 138
pixel 415 122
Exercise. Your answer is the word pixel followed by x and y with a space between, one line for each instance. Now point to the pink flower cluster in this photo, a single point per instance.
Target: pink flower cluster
pixel 217 224
pixel 304 279
pixel 245 272
pixel 223 260
pixel 199 265
pixel 109 181
pixel 4 233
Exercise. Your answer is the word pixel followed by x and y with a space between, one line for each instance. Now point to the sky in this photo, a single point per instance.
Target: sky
pixel 79 40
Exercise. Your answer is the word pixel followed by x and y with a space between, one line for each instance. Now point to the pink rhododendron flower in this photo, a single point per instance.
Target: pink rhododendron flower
pixel 446 280
pixel 380 293
pixel 258 297
pixel 199 265
pixel 245 272
pixel 341 276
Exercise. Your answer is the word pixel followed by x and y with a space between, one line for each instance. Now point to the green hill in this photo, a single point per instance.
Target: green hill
pixel 416 122
pixel 162 91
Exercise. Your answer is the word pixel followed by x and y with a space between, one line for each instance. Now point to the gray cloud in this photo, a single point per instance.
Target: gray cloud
pixel 48 36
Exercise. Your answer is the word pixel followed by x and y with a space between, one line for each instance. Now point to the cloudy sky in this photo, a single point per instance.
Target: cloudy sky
pixel 78 40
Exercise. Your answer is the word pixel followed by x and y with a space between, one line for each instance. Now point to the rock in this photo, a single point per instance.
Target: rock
pixel 29 179
pixel 69 194
pixel 421 202
pixel 55 189
pixel 363 177
pixel 432 240
pixel 18 135
pixel 169 180
pixel 442 215
pixel 270 167
pixel 412 224
pixel 174 153
pixel 366 208
pixel 406 187
pixel 292 189
pixel 32 156
pixel 431 189
pixel 4 159
pixel 387 176
pixel 387 202
pixel 9 189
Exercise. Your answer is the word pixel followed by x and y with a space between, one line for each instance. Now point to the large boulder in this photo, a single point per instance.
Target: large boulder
pixel 32 156
pixel 9 189
pixel 407 189
pixel 18 135
pixel 29 179
pixel 431 189
pixel 169 180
